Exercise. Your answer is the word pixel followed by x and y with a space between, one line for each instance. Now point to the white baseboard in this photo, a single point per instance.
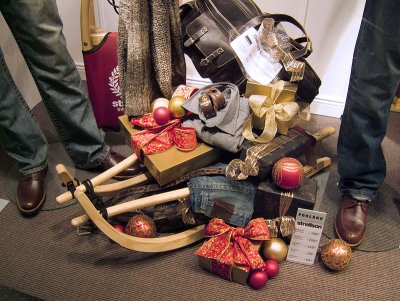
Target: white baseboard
pixel 81 70
pixel 326 106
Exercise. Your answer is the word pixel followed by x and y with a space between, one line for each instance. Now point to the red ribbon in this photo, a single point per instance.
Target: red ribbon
pixel 185 91
pixel 155 138
pixel 230 246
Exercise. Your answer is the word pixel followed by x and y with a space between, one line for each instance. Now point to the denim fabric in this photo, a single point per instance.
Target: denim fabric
pixel 206 190
pixel 225 129
pixel 37 28
pixel 374 78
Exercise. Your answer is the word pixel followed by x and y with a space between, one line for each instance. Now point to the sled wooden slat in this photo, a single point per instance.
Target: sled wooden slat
pixel 101 178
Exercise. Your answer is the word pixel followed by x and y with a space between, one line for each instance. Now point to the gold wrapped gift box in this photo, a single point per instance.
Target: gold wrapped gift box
pixel 172 164
pixel 288 94
pixel 238 274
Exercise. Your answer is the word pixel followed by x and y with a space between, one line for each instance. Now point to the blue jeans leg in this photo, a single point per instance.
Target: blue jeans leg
pixel 20 134
pixel 374 78
pixel 37 28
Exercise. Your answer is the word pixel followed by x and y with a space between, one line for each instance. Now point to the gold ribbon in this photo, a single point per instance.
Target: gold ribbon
pixel 271 40
pixel 285 225
pixel 265 112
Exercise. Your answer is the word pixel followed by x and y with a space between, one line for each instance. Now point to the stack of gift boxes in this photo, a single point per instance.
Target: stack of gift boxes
pixel 239 226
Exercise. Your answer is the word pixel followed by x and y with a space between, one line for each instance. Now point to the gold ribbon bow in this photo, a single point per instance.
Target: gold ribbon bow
pixel 265 113
pixel 285 225
pixel 272 41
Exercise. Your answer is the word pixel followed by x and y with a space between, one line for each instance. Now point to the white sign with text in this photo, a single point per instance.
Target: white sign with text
pixel 305 240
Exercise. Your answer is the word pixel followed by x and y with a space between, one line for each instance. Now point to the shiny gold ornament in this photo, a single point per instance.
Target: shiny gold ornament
pixel 175 106
pixel 275 249
pixel 336 254
pixel 159 102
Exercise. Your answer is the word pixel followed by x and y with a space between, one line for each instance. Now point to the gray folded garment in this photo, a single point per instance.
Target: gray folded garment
pixel 225 129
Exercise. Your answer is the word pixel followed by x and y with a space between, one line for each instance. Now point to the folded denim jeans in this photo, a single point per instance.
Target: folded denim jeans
pixel 217 196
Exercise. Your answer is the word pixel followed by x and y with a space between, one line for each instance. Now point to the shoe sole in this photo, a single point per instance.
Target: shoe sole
pixel 33 211
pixel 351 245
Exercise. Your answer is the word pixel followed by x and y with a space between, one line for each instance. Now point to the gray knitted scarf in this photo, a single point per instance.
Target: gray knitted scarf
pixel 150 52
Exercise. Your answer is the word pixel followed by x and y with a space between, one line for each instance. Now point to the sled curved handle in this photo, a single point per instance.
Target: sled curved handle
pixel 99 179
pixel 158 244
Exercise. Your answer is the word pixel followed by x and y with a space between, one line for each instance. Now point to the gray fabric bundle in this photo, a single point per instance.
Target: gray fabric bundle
pixel 150 52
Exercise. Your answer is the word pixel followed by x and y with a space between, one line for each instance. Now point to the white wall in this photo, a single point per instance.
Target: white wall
pixel 331 24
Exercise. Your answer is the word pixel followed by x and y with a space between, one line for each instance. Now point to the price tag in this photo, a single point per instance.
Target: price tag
pixel 305 240
pixel 255 58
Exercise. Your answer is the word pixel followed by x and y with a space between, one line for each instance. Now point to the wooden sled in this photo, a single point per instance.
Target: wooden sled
pixel 158 244
pixel 313 166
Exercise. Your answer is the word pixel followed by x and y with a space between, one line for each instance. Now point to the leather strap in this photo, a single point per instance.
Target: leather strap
pixel 192 39
pixel 207 60
pixel 211 101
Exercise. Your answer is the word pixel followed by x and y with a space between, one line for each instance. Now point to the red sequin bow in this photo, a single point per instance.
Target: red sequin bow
pixel 155 138
pixel 230 246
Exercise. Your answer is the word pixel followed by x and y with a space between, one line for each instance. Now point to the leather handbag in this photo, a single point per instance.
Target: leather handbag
pixel 208 27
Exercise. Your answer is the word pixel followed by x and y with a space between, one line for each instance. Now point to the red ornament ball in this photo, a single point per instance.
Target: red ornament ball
pixel 287 173
pixel 272 268
pixel 258 278
pixel 119 228
pixel 141 225
pixel 336 254
pixel 162 115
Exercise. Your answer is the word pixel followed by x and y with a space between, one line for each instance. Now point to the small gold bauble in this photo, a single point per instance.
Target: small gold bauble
pixel 275 249
pixel 175 106
pixel 159 102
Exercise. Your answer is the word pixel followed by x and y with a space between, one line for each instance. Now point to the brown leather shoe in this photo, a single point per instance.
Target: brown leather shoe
pixel 113 159
pixel 31 193
pixel 351 220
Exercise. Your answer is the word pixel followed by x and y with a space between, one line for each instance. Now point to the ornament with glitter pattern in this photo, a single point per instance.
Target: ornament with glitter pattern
pixel 336 254
pixel 287 173
pixel 141 225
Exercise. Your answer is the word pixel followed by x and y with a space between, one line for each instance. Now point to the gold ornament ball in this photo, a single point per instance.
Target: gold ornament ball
pixel 159 102
pixel 336 254
pixel 275 249
pixel 175 106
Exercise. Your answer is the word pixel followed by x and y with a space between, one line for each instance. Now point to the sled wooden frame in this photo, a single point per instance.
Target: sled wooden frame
pixel 105 189
pixel 157 244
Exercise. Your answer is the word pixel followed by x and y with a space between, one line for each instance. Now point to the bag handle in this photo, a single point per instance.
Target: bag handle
pixel 300 50
pixel 85 25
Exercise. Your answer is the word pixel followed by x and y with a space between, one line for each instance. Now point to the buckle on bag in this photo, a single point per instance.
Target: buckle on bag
pixel 195 37
pixel 207 60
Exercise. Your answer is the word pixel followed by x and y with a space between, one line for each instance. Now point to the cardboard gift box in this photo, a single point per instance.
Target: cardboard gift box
pixel 272 202
pixel 173 163
pixel 288 93
pixel 222 255
pixel 238 274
